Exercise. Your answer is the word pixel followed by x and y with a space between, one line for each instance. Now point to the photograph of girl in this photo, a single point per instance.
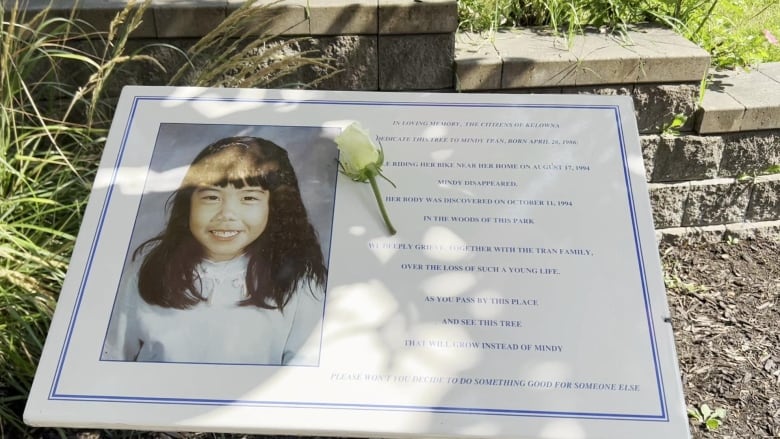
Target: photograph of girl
pixel 237 275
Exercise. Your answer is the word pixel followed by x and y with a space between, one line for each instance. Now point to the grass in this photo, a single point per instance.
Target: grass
pixel 737 33
pixel 740 33
pixel 43 186
pixel 54 115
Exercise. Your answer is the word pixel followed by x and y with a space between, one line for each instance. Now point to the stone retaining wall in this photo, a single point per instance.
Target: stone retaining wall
pixel 696 181
pixel 710 180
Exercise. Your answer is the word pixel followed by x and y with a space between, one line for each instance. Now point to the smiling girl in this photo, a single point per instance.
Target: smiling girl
pixel 236 277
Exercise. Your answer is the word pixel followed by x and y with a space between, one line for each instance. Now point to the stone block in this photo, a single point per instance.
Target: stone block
pixel 352 58
pixel 716 201
pixel 770 70
pixel 758 93
pixel 98 13
pixel 677 235
pixel 286 17
pixel 649 145
pixel 535 91
pixel 416 62
pixel 762 229
pixel 605 90
pixel 749 153
pixel 535 58
pixel 681 158
pixel 169 60
pixel 657 105
pixel 343 17
pixel 719 112
pixel 351 64
pixel 667 57
pixel 538 58
pixel 717 233
pixel 602 60
pixel 417 17
pixel 765 199
pixel 668 201
pixel 73 74
pixel 355 56
pixel 188 18
pixel 477 64
pixel 601 90
pixel 761 109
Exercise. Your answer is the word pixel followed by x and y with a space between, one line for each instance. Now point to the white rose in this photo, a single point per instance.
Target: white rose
pixel 357 151
pixel 361 160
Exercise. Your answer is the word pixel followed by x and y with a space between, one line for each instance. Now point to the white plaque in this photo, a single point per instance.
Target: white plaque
pixel 521 297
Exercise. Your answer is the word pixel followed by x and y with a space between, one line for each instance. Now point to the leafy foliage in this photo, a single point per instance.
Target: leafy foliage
pixel 706 417
pixel 50 137
pixel 54 116
pixel 735 32
pixel 739 33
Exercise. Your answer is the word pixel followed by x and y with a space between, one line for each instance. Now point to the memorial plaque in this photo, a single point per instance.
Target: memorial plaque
pixel 521 297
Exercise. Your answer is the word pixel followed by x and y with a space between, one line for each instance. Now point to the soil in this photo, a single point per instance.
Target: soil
pixel 724 297
pixel 725 303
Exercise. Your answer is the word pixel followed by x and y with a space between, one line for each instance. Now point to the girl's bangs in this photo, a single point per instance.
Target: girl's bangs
pixel 240 180
pixel 231 167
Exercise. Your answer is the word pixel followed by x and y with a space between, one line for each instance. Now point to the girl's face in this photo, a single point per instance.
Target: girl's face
pixel 225 220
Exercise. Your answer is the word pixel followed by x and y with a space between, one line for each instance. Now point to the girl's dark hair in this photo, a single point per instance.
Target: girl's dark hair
pixel 286 254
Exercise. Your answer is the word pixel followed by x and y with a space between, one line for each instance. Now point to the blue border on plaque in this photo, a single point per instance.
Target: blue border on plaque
pixel 662 417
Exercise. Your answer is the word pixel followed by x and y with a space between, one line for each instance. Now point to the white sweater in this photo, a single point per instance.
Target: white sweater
pixel 216 331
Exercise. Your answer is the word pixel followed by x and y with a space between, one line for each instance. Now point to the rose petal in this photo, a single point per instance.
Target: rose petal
pixel 769 37
pixel 357 149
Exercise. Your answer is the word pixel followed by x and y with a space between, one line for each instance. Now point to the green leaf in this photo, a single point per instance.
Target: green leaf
pixel 694 413
pixel 679 120
pixel 712 424
pixel 774 169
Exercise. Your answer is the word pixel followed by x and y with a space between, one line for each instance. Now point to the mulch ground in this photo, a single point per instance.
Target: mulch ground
pixel 724 298
pixel 725 303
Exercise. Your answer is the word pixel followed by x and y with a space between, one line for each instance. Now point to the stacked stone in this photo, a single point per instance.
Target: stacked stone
pixel 714 173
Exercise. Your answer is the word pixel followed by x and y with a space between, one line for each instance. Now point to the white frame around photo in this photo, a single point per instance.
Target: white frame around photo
pixel 521 297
